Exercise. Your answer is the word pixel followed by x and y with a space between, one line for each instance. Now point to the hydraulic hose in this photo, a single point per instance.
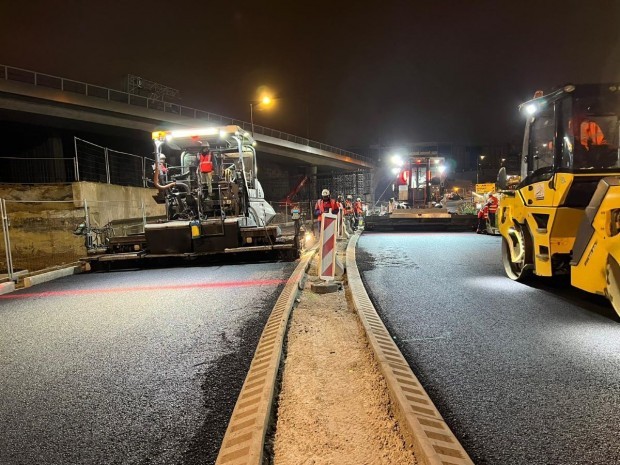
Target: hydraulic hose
pixel 156 179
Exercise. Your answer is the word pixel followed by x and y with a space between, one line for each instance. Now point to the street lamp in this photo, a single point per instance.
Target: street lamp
pixel 478 169
pixel 266 100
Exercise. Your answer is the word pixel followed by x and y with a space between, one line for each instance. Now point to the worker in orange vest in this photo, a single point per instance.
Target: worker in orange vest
pixel 205 167
pixel 340 203
pixel 325 204
pixel 591 134
pixel 493 204
pixel 348 210
pixel 348 205
pixel 357 213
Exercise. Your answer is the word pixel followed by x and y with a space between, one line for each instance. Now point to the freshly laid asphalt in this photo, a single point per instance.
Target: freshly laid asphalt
pixel 129 367
pixel 523 374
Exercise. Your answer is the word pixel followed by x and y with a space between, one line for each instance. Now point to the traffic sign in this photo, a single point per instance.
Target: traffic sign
pixel 485 188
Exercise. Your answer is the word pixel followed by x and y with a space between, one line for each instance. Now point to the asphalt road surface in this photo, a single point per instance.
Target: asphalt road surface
pixel 523 375
pixel 129 367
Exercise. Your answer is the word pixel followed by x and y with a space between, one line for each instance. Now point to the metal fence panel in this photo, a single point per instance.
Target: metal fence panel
pixel 118 96
pixel 137 100
pixel 91 161
pixel 96 91
pixel 6 267
pixel 52 82
pixel 125 169
pixel 20 75
pixel 74 86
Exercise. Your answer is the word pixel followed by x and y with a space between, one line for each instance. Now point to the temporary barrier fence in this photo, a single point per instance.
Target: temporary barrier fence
pixel 91 162
pixel 102 164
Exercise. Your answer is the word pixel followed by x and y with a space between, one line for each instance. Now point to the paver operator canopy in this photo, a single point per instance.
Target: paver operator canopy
pixel 233 188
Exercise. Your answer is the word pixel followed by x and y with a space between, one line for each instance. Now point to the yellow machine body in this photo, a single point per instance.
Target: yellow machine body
pixel 564 216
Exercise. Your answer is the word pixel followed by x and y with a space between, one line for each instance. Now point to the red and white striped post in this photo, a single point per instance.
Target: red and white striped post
pixel 341 229
pixel 327 257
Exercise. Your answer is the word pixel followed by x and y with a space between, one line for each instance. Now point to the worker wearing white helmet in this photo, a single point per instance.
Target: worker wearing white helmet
pixel 357 212
pixel 348 205
pixel 325 204
pixel 163 168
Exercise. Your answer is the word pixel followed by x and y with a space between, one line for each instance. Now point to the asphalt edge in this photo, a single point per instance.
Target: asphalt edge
pixel 244 439
pixel 42 276
pixel 51 275
pixel 422 424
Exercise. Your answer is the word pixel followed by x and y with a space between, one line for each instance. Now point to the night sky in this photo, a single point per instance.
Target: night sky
pixel 365 73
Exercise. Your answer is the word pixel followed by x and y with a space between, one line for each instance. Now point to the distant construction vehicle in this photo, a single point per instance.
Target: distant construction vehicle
pixel 414 184
pixel 564 216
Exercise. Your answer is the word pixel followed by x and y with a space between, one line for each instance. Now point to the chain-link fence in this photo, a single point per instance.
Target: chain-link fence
pixel 91 162
pixel 284 211
pixel 102 164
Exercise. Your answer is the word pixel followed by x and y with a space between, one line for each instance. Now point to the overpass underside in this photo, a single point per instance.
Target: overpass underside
pixel 43 123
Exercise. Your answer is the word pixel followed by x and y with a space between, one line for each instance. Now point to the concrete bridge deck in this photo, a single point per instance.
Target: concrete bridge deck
pixel 49 97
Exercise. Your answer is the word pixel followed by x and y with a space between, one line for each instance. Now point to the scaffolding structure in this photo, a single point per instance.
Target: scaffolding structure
pixel 356 183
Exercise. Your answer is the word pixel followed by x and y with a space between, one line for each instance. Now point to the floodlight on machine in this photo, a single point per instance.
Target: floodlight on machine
pixel 397 160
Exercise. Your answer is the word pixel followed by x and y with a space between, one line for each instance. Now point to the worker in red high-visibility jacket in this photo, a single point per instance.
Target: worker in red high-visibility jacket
pixel 325 205
pixel 493 204
pixel 358 211
pixel 205 167
pixel 483 216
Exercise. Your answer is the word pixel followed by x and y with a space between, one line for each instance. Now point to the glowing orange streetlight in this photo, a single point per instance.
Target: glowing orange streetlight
pixel 265 100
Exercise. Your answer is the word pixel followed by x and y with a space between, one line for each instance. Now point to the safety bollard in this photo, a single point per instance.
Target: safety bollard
pixel 327 255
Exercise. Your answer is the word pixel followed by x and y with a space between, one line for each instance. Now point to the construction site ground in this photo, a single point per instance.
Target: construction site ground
pixel 333 405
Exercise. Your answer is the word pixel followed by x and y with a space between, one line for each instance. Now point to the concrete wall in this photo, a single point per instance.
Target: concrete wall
pixel 41 229
pixel 108 202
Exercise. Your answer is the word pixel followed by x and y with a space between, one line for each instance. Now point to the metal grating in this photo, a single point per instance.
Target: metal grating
pixel 243 442
pixel 434 443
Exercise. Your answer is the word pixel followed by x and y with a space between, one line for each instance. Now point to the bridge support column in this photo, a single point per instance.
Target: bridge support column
pixel 314 191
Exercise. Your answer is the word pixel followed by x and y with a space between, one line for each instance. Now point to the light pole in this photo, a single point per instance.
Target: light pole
pixel 266 100
pixel 252 117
